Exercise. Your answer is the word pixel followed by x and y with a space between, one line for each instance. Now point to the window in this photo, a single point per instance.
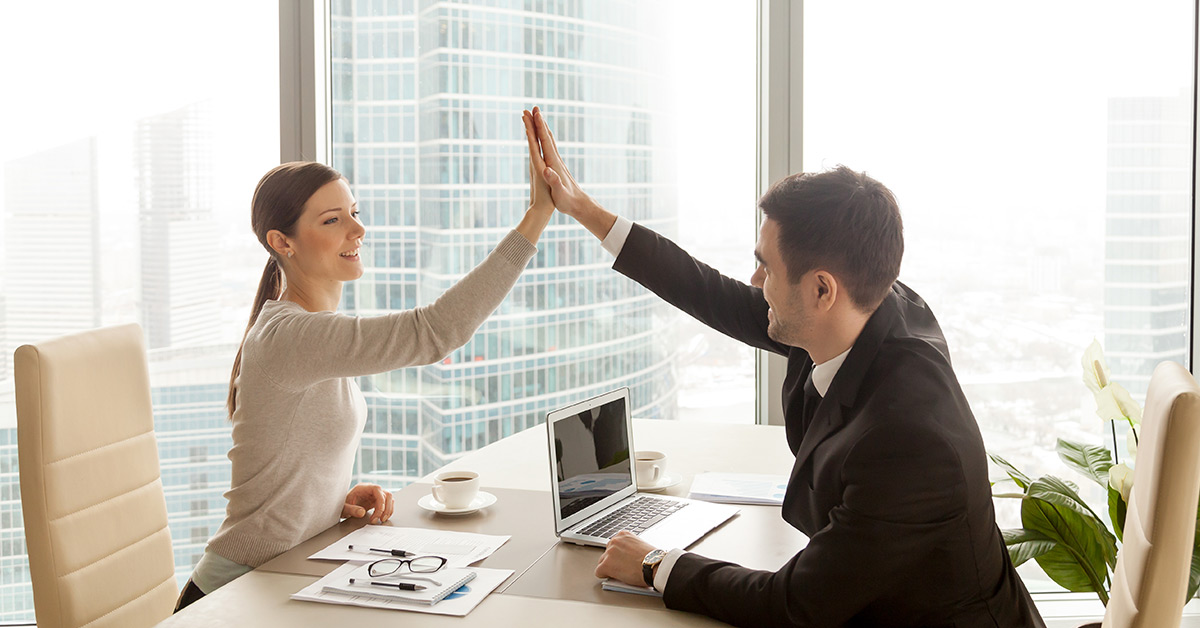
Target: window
pixel 1045 182
pixel 126 168
pixel 426 125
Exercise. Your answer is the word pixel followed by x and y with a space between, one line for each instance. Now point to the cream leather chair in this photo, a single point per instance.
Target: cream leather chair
pixel 1153 566
pixel 95 519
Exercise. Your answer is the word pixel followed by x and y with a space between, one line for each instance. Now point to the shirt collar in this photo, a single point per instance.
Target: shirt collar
pixel 823 373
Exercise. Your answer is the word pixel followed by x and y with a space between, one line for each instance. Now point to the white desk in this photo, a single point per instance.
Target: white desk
pixel 261 598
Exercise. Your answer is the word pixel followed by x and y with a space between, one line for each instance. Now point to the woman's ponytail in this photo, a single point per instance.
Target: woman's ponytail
pixel 269 287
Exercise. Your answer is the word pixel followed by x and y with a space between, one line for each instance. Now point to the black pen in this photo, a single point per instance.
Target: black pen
pixel 403 586
pixel 395 552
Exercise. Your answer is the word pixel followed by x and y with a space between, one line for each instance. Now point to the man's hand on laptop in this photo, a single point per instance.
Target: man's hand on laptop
pixel 622 558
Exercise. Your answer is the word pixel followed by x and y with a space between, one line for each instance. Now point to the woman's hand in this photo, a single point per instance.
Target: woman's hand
pixel 539 190
pixel 366 497
pixel 541 205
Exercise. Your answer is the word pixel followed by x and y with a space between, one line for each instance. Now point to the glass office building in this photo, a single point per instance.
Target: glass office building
pixel 51 243
pixel 1147 260
pixel 425 126
pixel 180 293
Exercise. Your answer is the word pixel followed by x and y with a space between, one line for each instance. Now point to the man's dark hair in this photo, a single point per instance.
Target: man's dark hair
pixel 841 221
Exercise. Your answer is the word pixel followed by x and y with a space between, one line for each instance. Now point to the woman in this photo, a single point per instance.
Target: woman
pixel 297 412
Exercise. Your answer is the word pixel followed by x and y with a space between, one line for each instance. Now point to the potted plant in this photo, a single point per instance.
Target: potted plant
pixel 1070 541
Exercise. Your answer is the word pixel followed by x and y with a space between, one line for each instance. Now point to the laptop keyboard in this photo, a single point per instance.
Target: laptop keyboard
pixel 636 516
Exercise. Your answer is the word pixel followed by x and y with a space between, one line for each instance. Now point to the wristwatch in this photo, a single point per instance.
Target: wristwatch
pixel 649 563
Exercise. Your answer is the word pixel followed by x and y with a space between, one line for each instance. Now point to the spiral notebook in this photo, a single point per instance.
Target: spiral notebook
pixel 439 584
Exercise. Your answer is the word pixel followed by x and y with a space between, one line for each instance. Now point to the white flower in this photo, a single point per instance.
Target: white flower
pixel 1095 371
pixel 1113 403
pixel 1120 477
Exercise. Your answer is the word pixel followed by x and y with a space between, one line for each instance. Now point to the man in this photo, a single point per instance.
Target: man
pixel 890 480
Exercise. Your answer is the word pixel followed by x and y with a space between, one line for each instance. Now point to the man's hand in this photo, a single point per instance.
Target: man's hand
pixel 623 557
pixel 366 497
pixel 569 198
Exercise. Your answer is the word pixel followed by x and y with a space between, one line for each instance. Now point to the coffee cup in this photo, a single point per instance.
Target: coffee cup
pixel 456 489
pixel 651 467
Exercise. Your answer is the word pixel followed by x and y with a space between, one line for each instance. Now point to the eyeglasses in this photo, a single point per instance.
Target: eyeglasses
pixel 417 564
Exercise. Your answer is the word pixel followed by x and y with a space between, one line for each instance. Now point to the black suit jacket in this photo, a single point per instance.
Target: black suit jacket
pixel 890 481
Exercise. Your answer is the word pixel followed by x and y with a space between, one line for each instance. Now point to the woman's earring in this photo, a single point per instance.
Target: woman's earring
pixel 289 253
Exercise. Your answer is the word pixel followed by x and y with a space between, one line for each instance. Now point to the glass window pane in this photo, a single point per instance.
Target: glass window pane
pixel 1044 175
pixel 127 165
pixel 655 122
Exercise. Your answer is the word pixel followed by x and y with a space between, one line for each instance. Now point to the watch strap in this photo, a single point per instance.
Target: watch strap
pixel 653 558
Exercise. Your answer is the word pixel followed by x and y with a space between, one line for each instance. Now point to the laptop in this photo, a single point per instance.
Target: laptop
pixel 595 488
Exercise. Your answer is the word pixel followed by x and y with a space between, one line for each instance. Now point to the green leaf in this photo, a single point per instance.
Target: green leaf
pixel 1078 560
pixel 1065 494
pixel 1116 512
pixel 1090 460
pixel 1021 479
pixel 1025 544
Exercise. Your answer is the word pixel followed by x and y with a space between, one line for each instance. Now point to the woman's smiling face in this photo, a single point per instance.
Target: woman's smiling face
pixel 328 236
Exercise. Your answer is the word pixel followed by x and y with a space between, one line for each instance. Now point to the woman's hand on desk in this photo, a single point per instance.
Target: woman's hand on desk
pixel 622 559
pixel 366 497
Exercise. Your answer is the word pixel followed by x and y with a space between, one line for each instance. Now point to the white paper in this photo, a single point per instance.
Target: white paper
pixel 739 488
pixel 437 584
pixel 458 603
pixel 612 584
pixel 460 549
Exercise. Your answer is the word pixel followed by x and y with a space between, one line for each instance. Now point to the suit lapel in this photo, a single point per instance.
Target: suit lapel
pixel 840 398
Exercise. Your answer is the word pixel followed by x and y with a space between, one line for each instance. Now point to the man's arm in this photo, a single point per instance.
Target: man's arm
pixel 904 500
pixel 731 307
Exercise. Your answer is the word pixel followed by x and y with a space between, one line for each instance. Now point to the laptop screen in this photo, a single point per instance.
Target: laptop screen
pixel 592 453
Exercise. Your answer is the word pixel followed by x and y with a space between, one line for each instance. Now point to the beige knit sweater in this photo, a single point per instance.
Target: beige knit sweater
pixel 300 416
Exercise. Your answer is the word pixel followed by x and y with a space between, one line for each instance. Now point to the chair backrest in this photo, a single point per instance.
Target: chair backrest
pixel 1151 579
pixel 95 518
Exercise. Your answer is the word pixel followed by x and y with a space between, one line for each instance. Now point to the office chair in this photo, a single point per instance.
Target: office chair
pixel 1153 567
pixel 95 518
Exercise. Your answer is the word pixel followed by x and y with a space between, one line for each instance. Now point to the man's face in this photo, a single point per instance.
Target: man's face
pixel 789 321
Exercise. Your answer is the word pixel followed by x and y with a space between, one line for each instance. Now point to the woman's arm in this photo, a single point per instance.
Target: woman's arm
pixel 298 348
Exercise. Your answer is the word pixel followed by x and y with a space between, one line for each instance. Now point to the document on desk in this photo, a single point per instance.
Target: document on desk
pixel 458 548
pixel 612 584
pixel 459 603
pixel 739 488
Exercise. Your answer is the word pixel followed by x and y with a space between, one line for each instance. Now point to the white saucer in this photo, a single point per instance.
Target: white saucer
pixel 483 499
pixel 664 483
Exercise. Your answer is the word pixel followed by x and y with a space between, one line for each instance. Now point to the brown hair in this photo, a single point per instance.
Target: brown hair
pixel 278 202
pixel 843 221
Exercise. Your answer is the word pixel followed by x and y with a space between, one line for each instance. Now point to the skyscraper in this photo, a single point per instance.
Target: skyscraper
pixel 1147 260
pixel 180 292
pixel 51 246
pixel 426 125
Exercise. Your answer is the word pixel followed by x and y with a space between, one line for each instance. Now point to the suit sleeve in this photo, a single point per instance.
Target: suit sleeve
pixel 729 306
pixel 904 498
